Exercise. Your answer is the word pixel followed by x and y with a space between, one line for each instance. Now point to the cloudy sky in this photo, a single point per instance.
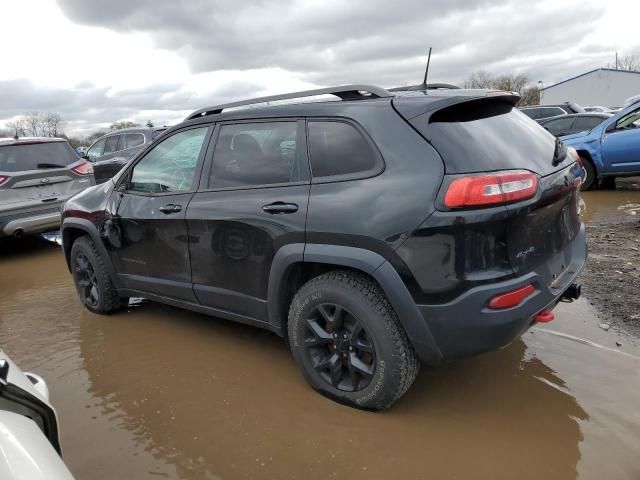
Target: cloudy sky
pixel 96 61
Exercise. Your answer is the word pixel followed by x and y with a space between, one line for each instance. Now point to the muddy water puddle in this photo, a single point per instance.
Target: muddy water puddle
pixel 621 204
pixel 157 392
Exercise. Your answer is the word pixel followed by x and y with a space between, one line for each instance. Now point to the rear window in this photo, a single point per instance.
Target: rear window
pixel 133 140
pixel 531 112
pixel 487 135
pixel 587 123
pixel 34 156
pixel 560 126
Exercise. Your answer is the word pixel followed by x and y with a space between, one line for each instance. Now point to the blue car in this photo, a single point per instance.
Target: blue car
pixel 611 149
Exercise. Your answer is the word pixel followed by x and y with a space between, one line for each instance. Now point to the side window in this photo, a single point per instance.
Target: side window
pixel 561 126
pixel 250 154
pixel 111 145
pixel 96 150
pixel 133 140
pixel 338 148
pixel 533 113
pixel 586 123
pixel 170 166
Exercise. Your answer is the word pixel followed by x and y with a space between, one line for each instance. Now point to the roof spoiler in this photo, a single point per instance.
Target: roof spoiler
pixel 409 108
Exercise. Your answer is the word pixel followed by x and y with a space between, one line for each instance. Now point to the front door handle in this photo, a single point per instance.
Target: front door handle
pixel 280 207
pixel 170 208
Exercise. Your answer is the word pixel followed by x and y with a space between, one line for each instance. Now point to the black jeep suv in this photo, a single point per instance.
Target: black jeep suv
pixel 375 232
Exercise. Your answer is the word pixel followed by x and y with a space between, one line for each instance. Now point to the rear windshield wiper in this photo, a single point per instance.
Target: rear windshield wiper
pixel 50 165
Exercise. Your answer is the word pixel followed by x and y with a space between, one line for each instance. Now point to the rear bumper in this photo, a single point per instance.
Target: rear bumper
pixel 29 223
pixel 465 326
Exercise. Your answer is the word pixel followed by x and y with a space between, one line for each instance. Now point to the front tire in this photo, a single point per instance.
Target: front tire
pixel 93 284
pixel 589 174
pixel 348 342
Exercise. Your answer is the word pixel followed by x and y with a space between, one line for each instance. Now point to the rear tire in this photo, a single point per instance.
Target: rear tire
pixel 93 284
pixel 590 174
pixel 348 342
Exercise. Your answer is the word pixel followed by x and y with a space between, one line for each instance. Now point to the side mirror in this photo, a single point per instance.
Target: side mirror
pixel 86 157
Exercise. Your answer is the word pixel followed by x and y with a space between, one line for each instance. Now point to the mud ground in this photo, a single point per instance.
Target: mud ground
pixel 611 279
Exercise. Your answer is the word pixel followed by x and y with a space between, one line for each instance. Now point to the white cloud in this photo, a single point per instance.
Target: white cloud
pixel 95 62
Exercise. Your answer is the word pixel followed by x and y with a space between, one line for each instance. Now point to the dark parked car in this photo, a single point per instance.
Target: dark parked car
pixel 574 123
pixel 111 152
pixel 36 176
pixel 365 230
pixel 540 112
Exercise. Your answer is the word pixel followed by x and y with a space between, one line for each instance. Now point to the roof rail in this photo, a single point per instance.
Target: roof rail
pixel 429 86
pixel 345 92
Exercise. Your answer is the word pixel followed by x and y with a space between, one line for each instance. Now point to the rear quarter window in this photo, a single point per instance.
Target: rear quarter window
pixel 338 149
pixel 35 156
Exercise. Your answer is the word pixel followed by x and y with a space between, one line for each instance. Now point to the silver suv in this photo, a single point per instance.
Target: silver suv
pixel 36 176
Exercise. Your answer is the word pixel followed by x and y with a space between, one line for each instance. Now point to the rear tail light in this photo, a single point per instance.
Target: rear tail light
pixel 84 168
pixel 3 180
pixel 512 298
pixel 493 189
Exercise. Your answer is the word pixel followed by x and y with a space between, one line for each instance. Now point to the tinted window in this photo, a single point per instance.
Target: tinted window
pixel 487 135
pixel 256 154
pixel 170 165
pixel 586 123
pixel 133 140
pixel 337 148
pixel 532 112
pixel 96 150
pixel 19 158
pixel 111 144
pixel 550 112
pixel 560 126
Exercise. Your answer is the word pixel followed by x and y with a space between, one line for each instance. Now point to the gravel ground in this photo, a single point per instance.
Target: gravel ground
pixel 611 279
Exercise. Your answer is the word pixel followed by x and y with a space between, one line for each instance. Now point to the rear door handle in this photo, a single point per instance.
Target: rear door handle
pixel 170 208
pixel 280 207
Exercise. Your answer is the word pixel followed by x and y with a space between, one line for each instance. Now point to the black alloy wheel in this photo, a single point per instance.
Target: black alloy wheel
pixel 88 285
pixel 339 347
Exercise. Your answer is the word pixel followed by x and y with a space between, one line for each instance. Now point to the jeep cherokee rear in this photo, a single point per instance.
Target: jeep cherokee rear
pixel 374 232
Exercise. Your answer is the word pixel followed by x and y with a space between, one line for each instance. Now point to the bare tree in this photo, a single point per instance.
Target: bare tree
pixel 33 124
pixel 17 128
pixel 52 125
pixel 509 83
pixel 629 62
pixel 122 124
pixel 37 124
pixel 480 79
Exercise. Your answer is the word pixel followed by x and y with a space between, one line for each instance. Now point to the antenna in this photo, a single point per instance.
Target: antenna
pixel 426 72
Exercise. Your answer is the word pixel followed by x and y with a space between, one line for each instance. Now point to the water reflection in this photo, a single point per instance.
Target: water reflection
pixel 225 399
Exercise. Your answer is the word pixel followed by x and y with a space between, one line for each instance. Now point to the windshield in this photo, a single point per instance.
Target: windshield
pixel 630 120
pixel 35 156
